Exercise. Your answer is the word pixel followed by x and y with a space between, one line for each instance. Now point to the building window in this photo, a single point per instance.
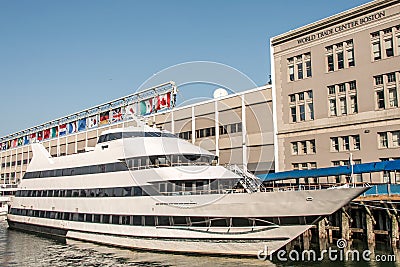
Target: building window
pixel 353 104
pixel 393 97
pixel 304 166
pixel 356 142
pixel 331 66
pixel 295 148
pixel 302 109
pixel 331 89
pixel 340 60
pixel 303 147
pixel 344 52
pixel 332 107
pixel 343 106
pixel 389 47
pixel 300 71
pixel 310 109
pixel 391 77
pixel 345 143
pixel 335 144
pixel 302 113
pixel 398 47
pixel 293 114
pixel 383 140
pixel 308 68
pixel 350 58
pixel 342 101
pixel 295 166
pixel 383 41
pixel 386 90
pixel 396 139
pixel 301 61
pixel 376 50
pixel 380 98
pixel 389 139
pixel 352 85
pixel 312 146
pixel 378 80
pixel 291 73
pixel 342 88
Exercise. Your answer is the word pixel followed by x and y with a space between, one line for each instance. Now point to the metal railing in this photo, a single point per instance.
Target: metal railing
pixel 249 181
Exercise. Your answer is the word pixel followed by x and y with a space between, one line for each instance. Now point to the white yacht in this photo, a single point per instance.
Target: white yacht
pixel 140 187
pixel 6 192
pixel 4 205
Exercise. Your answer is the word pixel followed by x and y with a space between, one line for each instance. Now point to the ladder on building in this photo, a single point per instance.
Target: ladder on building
pixel 249 181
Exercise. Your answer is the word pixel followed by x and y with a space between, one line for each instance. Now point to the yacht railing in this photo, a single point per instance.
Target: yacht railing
pixel 249 181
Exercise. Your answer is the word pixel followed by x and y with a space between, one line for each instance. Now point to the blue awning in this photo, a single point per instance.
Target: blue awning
pixel 379 166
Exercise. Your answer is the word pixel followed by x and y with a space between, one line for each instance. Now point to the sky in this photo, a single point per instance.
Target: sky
pixel 60 57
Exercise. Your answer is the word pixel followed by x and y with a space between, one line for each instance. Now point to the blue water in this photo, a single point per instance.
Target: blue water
pixel 22 249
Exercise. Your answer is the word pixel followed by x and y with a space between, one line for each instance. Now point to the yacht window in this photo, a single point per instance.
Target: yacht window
pixel 88 218
pixel 188 186
pixel 149 221
pixel 137 220
pixel 163 221
pixel 126 220
pixel 114 136
pixel 119 192
pixel 102 139
pixel 96 218
pixel 127 191
pixel 179 220
pixel 115 219
pixel 138 191
pixel 106 219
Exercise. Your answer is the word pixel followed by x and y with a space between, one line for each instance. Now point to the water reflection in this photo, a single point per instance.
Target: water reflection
pixel 22 249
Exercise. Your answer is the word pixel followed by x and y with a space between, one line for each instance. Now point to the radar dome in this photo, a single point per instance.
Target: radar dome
pixel 220 92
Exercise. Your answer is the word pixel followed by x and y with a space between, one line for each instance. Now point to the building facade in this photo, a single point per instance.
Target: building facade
pixel 237 128
pixel 336 91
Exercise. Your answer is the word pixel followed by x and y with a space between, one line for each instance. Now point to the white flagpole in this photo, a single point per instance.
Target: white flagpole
pixel 352 169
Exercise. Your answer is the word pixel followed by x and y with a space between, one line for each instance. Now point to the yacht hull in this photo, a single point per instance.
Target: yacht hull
pixel 247 240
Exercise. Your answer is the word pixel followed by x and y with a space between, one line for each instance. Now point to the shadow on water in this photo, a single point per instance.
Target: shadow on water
pixel 23 249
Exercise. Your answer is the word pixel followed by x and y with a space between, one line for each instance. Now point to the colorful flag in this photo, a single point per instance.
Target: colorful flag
pixel 164 101
pixel 46 134
pixel 130 111
pixel 81 124
pixel 93 121
pixel 26 140
pixel 9 144
pixel 20 141
pixel 4 147
pixel 54 132
pixel 40 136
pixel 72 127
pixel 146 107
pixel 33 138
pixel 116 115
pixel 14 143
pixel 104 116
pixel 62 129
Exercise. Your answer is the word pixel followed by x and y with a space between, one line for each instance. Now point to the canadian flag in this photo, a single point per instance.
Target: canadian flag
pixel 164 101
pixel 130 111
